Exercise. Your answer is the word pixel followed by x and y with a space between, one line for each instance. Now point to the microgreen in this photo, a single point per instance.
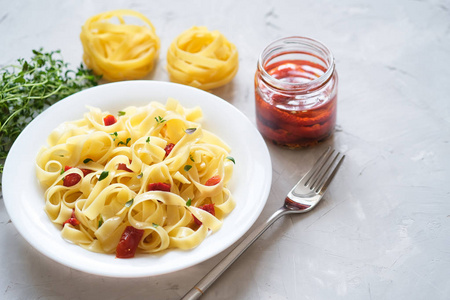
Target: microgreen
pixel 159 120
pixel 114 134
pixel 30 86
pixel 124 143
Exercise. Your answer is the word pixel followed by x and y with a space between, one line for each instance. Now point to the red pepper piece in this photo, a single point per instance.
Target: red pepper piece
pixel 213 180
pixel 72 220
pixel 129 241
pixel 109 120
pixel 159 186
pixel 122 166
pixel 169 148
pixel 206 207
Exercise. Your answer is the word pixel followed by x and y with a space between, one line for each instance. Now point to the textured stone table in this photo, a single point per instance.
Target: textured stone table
pixel 383 230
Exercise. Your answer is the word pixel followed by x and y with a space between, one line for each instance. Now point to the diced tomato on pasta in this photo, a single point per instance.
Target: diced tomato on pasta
pixel 72 179
pixel 206 207
pixel 109 120
pixel 123 167
pixel 72 220
pixel 86 171
pixel 129 241
pixel 158 186
pixel 169 148
pixel 213 180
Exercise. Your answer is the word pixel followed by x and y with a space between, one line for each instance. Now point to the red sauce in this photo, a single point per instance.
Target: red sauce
pixel 286 119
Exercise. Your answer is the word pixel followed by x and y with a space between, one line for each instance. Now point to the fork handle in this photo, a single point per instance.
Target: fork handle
pixel 215 273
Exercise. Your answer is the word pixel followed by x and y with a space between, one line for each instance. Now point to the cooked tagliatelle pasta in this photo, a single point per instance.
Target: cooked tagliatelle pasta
pixel 119 51
pixel 201 58
pixel 148 179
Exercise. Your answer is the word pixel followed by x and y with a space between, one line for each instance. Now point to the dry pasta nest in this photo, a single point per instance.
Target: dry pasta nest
pixel 119 51
pixel 201 58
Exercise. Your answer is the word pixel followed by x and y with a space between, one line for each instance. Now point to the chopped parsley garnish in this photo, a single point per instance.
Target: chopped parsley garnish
pixel 188 203
pixel 155 225
pixel 190 130
pixel 100 222
pixel 191 158
pixel 187 167
pixel 103 175
pixel 129 203
pixel 232 159
pixel 87 160
pixel 147 140
pixel 121 113
pixel 140 176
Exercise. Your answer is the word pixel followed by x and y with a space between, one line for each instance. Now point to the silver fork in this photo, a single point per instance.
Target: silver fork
pixel 303 197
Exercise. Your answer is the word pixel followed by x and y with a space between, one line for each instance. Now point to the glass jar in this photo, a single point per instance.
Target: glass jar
pixel 296 92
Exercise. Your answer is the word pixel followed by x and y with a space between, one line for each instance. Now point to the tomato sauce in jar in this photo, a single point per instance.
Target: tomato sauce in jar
pixel 296 92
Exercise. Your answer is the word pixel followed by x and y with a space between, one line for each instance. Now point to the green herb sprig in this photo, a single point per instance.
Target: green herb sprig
pixel 30 87
pixel 159 120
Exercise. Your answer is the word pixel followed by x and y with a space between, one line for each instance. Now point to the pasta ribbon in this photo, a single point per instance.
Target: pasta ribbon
pixel 119 51
pixel 201 58
pixel 155 169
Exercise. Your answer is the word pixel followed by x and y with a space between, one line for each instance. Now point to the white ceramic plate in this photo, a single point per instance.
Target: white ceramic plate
pixel 250 183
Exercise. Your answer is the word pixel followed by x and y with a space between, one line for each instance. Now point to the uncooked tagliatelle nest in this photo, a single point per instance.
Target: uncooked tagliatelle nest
pixel 201 58
pixel 119 51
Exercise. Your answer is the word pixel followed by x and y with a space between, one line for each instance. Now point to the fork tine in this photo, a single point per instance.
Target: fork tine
pixel 312 173
pixel 329 173
pixel 319 166
pixel 325 165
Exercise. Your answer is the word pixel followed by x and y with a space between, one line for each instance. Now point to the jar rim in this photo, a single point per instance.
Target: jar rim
pixel 268 53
